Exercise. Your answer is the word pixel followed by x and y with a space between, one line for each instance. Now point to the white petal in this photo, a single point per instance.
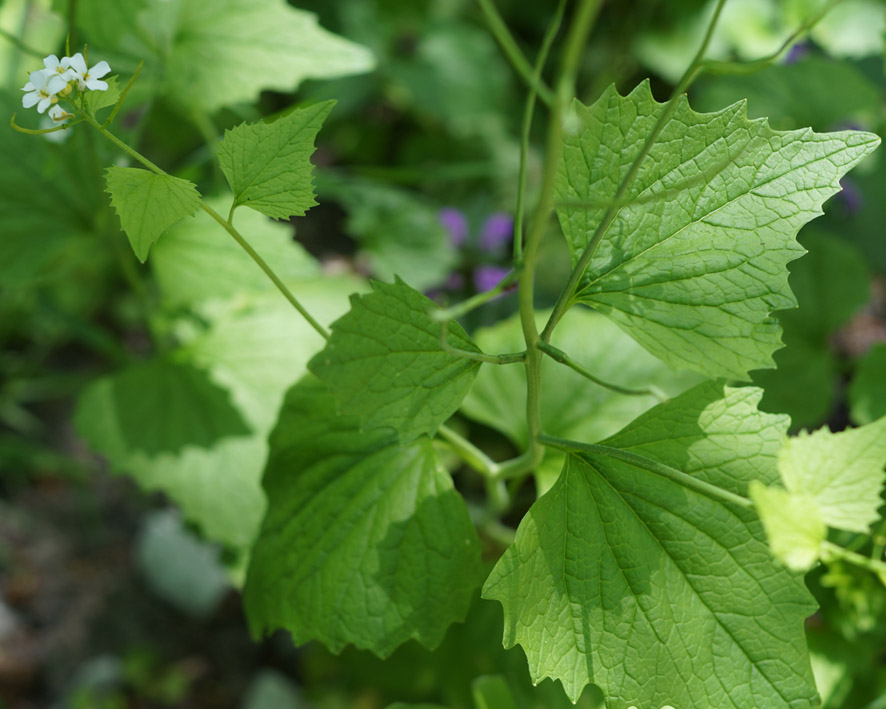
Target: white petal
pixel 29 100
pixel 44 104
pixel 77 63
pixel 38 78
pixel 97 85
pixel 51 63
pixel 29 87
pixel 100 69
pixel 56 83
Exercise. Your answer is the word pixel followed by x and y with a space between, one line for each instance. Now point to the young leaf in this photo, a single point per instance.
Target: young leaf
pixel 156 407
pixel 655 591
pixel 268 164
pixel 96 100
pixel 842 472
pixel 694 262
pixel 793 525
pixel 384 362
pixel 365 540
pixel 148 204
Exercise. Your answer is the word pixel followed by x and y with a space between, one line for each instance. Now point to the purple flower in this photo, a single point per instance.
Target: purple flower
pixel 796 53
pixel 497 229
pixel 488 277
pixel 850 195
pixel 455 223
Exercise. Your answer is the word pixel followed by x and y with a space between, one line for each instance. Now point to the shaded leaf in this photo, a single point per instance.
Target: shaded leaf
pixel 365 541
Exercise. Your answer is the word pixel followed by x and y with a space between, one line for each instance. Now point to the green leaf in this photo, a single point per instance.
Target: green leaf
pixel 268 164
pixel 658 593
pixel 148 204
pixel 365 541
pixel 793 525
pixel 842 472
pixel 157 407
pixel 197 261
pixel 492 692
pixel 867 393
pixel 694 262
pixel 96 100
pixel 228 51
pixel 384 362
pixel 400 235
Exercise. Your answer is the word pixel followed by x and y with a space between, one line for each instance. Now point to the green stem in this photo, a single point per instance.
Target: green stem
pixel 119 104
pixel 475 301
pixel 831 551
pixel 508 358
pixel 560 356
pixel 575 42
pixel 469 453
pixel 564 301
pixel 21 46
pixel 526 127
pixel 227 226
pixel 269 272
pixel 509 46
pixel 652 466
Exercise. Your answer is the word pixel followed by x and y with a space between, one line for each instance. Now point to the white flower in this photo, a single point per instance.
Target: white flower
pixel 54 67
pixel 41 90
pixel 87 78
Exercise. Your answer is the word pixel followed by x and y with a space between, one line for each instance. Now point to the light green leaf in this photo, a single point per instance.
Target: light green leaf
pixel 384 362
pixel 268 164
pixel 695 261
pixel 228 51
pixel 492 692
pixel 867 393
pixel 197 260
pixel 365 541
pixel 258 346
pixel 400 235
pixel 793 525
pixel 842 472
pixel 148 204
pixel 156 407
pixel 624 578
pixel 96 100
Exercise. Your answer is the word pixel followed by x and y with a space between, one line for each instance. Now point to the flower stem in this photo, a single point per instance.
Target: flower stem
pixel 509 46
pixel 528 112
pixel 565 90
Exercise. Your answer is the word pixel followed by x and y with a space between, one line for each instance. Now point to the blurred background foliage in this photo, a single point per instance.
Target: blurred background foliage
pixel 118 592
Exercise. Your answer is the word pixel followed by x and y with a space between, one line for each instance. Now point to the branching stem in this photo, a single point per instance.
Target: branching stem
pixel 560 356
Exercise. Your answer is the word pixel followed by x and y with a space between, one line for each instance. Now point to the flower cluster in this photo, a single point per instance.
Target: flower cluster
pixel 60 77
